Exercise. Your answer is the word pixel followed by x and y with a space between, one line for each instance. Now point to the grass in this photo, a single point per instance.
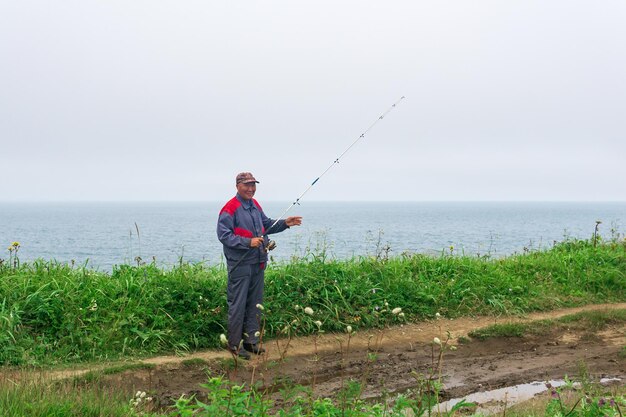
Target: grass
pixel 27 392
pixel 500 330
pixel 594 320
pixel 194 362
pixel 42 398
pixel 591 322
pixel 96 375
pixel 225 398
pixel 54 313
pixel 546 406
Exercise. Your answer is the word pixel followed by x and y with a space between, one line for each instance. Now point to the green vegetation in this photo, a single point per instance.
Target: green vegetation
pixel 581 398
pixel 98 374
pixel 225 398
pixel 228 399
pixel 58 313
pixel 40 398
pixel 500 330
pixel 194 362
pixel 591 321
pixel 220 397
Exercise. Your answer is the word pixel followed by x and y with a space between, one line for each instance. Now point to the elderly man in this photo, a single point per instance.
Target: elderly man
pixel 242 228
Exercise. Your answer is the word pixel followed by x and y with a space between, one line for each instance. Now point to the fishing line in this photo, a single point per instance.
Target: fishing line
pixel 335 162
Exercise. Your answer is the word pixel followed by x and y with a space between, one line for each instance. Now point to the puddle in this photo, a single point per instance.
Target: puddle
pixel 491 402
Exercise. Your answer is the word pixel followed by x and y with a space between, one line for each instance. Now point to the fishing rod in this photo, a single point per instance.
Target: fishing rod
pixel 272 244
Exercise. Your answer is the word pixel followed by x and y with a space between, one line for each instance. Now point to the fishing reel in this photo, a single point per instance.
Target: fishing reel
pixel 271 245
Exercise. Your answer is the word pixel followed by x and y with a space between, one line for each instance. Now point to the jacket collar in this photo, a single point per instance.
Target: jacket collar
pixel 246 204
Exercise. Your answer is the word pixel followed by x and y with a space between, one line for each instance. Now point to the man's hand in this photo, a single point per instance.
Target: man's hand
pixel 255 242
pixel 293 221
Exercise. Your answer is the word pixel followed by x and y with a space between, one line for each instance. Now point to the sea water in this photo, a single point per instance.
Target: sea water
pixel 105 234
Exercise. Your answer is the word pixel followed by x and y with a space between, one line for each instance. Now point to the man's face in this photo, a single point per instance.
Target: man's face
pixel 246 190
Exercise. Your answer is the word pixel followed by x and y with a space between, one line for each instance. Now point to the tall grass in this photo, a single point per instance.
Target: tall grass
pixel 41 397
pixel 52 312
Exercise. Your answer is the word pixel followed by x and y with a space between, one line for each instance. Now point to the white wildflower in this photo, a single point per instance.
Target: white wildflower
pixel 437 341
pixel 296 307
pixel 309 311
pixel 437 316
pixel 396 311
pixel 260 307
pixel 142 395
pixel 401 315
pixel 223 339
pixel 257 334
pixel 349 329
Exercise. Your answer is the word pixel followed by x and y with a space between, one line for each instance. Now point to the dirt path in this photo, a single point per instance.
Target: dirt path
pixel 416 333
pixel 389 360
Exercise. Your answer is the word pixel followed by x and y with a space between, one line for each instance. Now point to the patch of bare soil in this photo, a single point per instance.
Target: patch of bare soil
pixel 387 361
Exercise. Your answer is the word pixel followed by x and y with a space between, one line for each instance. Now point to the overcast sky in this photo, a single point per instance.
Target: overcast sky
pixel 168 100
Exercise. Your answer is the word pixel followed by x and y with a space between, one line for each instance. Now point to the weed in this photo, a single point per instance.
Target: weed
pixel 41 398
pixel 499 330
pixel 194 362
pixel 96 375
pixel 592 402
pixel 589 322
pixel 462 340
pixel 56 313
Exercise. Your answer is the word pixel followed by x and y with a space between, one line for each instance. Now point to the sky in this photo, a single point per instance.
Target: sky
pixel 168 100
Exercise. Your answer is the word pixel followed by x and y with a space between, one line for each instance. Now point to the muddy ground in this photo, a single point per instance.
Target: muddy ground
pixel 387 361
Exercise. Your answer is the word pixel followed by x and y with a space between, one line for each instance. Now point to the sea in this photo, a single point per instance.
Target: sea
pixel 104 234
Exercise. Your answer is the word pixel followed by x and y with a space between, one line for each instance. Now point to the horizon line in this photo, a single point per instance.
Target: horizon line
pixel 316 201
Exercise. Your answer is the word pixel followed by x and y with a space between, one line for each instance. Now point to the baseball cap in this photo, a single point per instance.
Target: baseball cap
pixel 245 177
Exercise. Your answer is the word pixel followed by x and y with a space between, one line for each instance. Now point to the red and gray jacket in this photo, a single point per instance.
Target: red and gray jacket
pixel 239 221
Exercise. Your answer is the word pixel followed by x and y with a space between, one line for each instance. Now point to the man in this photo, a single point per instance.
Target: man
pixel 242 228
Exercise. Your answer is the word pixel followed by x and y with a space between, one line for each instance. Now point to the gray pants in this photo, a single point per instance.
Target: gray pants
pixel 245 291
